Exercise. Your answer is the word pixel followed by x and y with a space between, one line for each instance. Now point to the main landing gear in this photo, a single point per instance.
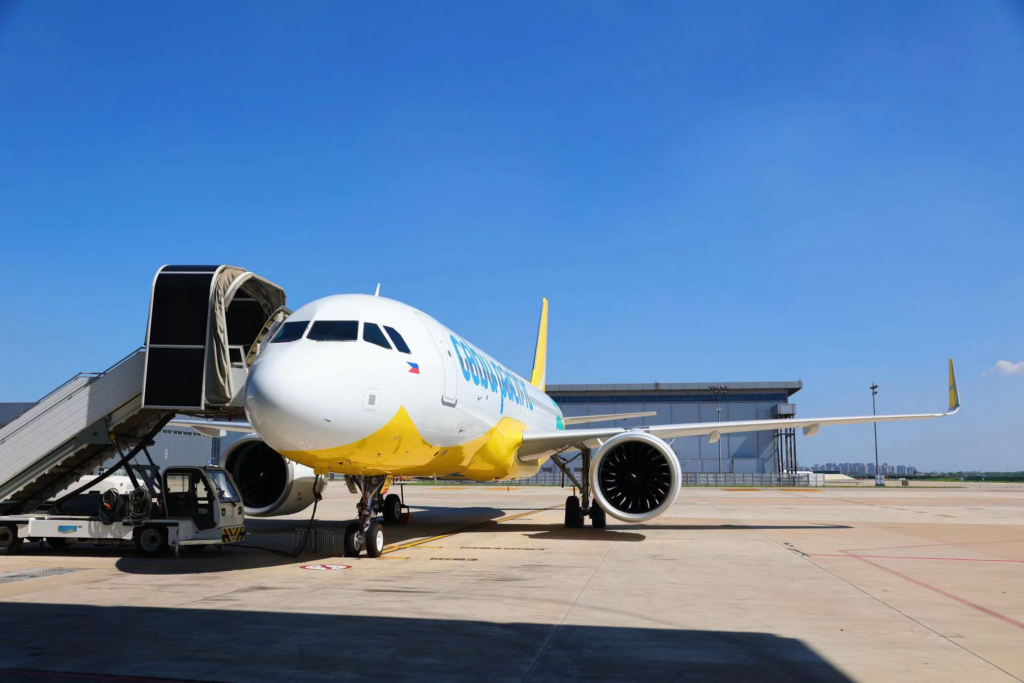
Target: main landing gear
pixel 368 532
pixel 577 509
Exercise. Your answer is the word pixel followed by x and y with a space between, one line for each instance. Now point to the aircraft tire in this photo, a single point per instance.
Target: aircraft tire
pixel 598 517
pixel 573 513
pixel 10 542
pixel 392 509
pixel 351 546
pixel 375 540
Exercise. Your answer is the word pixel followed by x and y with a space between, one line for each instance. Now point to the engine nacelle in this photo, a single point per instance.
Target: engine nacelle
pixel 635 476
pixel 269 483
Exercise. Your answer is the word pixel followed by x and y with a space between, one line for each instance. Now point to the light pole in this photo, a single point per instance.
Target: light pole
pixel 879 477
pixel 718 389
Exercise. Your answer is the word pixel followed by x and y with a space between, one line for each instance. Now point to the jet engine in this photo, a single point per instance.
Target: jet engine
pixel 635 476
pixel 269 483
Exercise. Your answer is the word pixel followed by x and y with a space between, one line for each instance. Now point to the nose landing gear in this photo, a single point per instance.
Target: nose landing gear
pixel 368 533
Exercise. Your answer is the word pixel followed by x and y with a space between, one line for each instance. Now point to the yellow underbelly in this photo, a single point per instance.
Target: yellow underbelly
pixel 398 448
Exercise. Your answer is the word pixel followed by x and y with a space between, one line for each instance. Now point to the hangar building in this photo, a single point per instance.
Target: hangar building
pixel 767 452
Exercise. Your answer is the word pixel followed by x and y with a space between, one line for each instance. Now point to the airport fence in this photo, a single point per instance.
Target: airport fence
pixel 802 480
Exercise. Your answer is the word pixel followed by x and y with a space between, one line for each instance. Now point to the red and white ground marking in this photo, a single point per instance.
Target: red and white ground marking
pixel 326 567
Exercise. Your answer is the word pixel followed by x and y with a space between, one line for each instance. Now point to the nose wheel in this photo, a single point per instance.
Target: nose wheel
pixel 368 533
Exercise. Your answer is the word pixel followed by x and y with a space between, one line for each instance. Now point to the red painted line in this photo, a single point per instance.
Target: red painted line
pixel 904 557
pixel 957 598
pixel 930 545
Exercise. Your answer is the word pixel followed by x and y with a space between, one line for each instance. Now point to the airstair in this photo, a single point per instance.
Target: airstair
pixel 205 325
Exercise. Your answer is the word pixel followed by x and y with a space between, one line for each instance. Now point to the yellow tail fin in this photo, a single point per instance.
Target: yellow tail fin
pixel 540 354
pixel 954 392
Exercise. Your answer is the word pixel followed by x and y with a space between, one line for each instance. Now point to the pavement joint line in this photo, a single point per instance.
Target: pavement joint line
pixel 807 558
pixel 952 641
pixel 565 616
pixel 491 522
pixel 951 596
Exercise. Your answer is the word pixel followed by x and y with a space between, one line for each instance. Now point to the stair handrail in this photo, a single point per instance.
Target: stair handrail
pixel 267 326
pixel 89 375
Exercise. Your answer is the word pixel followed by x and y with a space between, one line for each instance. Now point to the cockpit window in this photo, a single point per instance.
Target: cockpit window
pixel 397 340
pixel 372 334
pixel 289 332
pixel 334 330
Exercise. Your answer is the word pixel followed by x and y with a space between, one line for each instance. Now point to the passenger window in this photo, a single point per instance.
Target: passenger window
pixel 334 330
pixel 372 334
pixel 289 332
pixel 397 340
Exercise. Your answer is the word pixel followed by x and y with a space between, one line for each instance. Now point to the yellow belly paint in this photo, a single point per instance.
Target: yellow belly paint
pixel 398 448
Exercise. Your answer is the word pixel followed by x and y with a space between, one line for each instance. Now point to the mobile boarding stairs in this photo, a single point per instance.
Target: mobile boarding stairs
pixel 204 328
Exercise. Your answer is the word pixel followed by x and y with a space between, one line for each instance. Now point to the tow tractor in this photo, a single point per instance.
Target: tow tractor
pixel 187 506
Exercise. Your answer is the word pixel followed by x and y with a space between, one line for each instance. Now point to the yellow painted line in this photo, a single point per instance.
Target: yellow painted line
pixel 396 557
pixel 468 528
pixel 456 559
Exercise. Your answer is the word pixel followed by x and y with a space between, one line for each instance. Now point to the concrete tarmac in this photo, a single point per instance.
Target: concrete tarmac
pixel 836 584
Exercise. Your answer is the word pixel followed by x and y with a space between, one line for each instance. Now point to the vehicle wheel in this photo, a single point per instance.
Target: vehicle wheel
pixel 392 509
pixel 573 513
pixel 57 543
pixel 352 545
pixel 375 540
pixel 598 517
pixel 10 543
pixel 151 541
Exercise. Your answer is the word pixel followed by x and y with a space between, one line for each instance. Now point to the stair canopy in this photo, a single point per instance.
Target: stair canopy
pixel 203 321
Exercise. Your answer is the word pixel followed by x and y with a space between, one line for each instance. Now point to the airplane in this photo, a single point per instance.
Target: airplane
pixel 372 388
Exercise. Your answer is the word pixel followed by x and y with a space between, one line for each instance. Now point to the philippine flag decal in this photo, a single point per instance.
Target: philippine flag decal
pixel 414 368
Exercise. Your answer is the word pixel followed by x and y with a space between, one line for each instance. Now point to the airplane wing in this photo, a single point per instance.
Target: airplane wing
pixel 541 444
pixel 212 428
pixel 587 419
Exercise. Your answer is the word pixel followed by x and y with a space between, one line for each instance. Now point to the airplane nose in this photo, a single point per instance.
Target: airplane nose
pixel 290 403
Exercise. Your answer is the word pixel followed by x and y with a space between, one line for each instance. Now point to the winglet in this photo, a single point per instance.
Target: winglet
pixel 540 353
pixel 954 393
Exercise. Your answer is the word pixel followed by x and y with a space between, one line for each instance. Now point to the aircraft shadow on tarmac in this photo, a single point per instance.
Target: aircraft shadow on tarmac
pixel 279 535
pixel 627 533
pixel 188 644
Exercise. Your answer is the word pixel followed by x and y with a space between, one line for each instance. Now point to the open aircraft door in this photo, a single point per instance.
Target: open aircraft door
pixel 203 323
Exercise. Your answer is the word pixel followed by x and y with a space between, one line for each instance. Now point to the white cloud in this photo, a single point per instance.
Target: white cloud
pixel 1005 367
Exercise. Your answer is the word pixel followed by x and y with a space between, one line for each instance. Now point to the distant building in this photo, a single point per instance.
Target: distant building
pixel 863 469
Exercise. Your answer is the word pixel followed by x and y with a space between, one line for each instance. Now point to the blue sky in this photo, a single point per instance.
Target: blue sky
pixel 705 191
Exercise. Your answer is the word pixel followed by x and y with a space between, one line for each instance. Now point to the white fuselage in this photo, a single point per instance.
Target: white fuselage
pixel 333 399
